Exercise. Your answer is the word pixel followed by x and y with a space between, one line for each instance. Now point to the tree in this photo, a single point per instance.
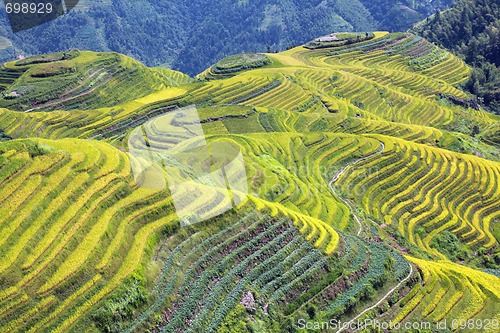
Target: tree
pixel 475 130
pixel 311 310
pixel 234 321
pixel 471 29
pixel 437 16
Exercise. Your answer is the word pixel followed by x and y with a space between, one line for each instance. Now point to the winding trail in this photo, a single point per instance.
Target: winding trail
pixel 337 176
pixel 330 185
pixel 348 324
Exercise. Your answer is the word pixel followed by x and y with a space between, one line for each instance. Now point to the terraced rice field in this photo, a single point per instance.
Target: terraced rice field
pixel 80 80
pixel 367 195
pixel 420 187
pixel 453 291
pixel 67 202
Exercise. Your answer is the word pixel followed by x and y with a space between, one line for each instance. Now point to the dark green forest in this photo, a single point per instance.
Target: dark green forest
pixel 191 35
pixel 471 29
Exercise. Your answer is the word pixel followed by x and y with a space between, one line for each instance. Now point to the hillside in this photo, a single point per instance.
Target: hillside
pixel 79 79
pixel 370 195
pixel 190 36
pixel 477 41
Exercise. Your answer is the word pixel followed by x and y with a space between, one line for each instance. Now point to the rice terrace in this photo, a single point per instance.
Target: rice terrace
pixel 373 193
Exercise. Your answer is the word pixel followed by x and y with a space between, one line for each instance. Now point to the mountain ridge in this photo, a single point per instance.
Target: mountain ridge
pixel 190 36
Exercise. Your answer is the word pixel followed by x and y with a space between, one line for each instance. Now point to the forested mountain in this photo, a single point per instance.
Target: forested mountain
pixel 471 28
pixel 191 35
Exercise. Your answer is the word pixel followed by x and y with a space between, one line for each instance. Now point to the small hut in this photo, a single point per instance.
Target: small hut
pixel 328 39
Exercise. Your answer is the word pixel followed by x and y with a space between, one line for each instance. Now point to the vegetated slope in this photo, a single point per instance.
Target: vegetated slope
pixel 265 257
pixel 471 29
pixel 61 200
pixel 190 36
pixel 82 79
pixel 236 63
pixel 6 49
pixel 395 16
pixel 360 160
pixel 450 291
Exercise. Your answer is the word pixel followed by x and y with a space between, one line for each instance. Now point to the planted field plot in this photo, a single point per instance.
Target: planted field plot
pixel 170 77
pixel 79 80
pixel 450 292
pixel 264 264
pixel 234 64
pixel 407 70
pixel 99 123
pixel 425 191
pixel 360 157
pixel 288 178
pixel 9 76
pixel 280 97
pixel 66 243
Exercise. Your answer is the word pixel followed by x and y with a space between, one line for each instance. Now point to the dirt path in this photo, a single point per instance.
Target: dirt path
pixel 330 184
pixel 347 325
pixel 337 176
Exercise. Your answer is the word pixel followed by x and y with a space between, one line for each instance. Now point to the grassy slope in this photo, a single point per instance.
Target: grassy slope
pixel 81 225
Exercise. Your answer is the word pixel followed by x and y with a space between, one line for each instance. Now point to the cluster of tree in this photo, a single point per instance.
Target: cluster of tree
pixel 471 29
pixel 398 15
pixel 192 35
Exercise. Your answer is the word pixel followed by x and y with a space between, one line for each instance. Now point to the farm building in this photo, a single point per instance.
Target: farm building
pixel 327 39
